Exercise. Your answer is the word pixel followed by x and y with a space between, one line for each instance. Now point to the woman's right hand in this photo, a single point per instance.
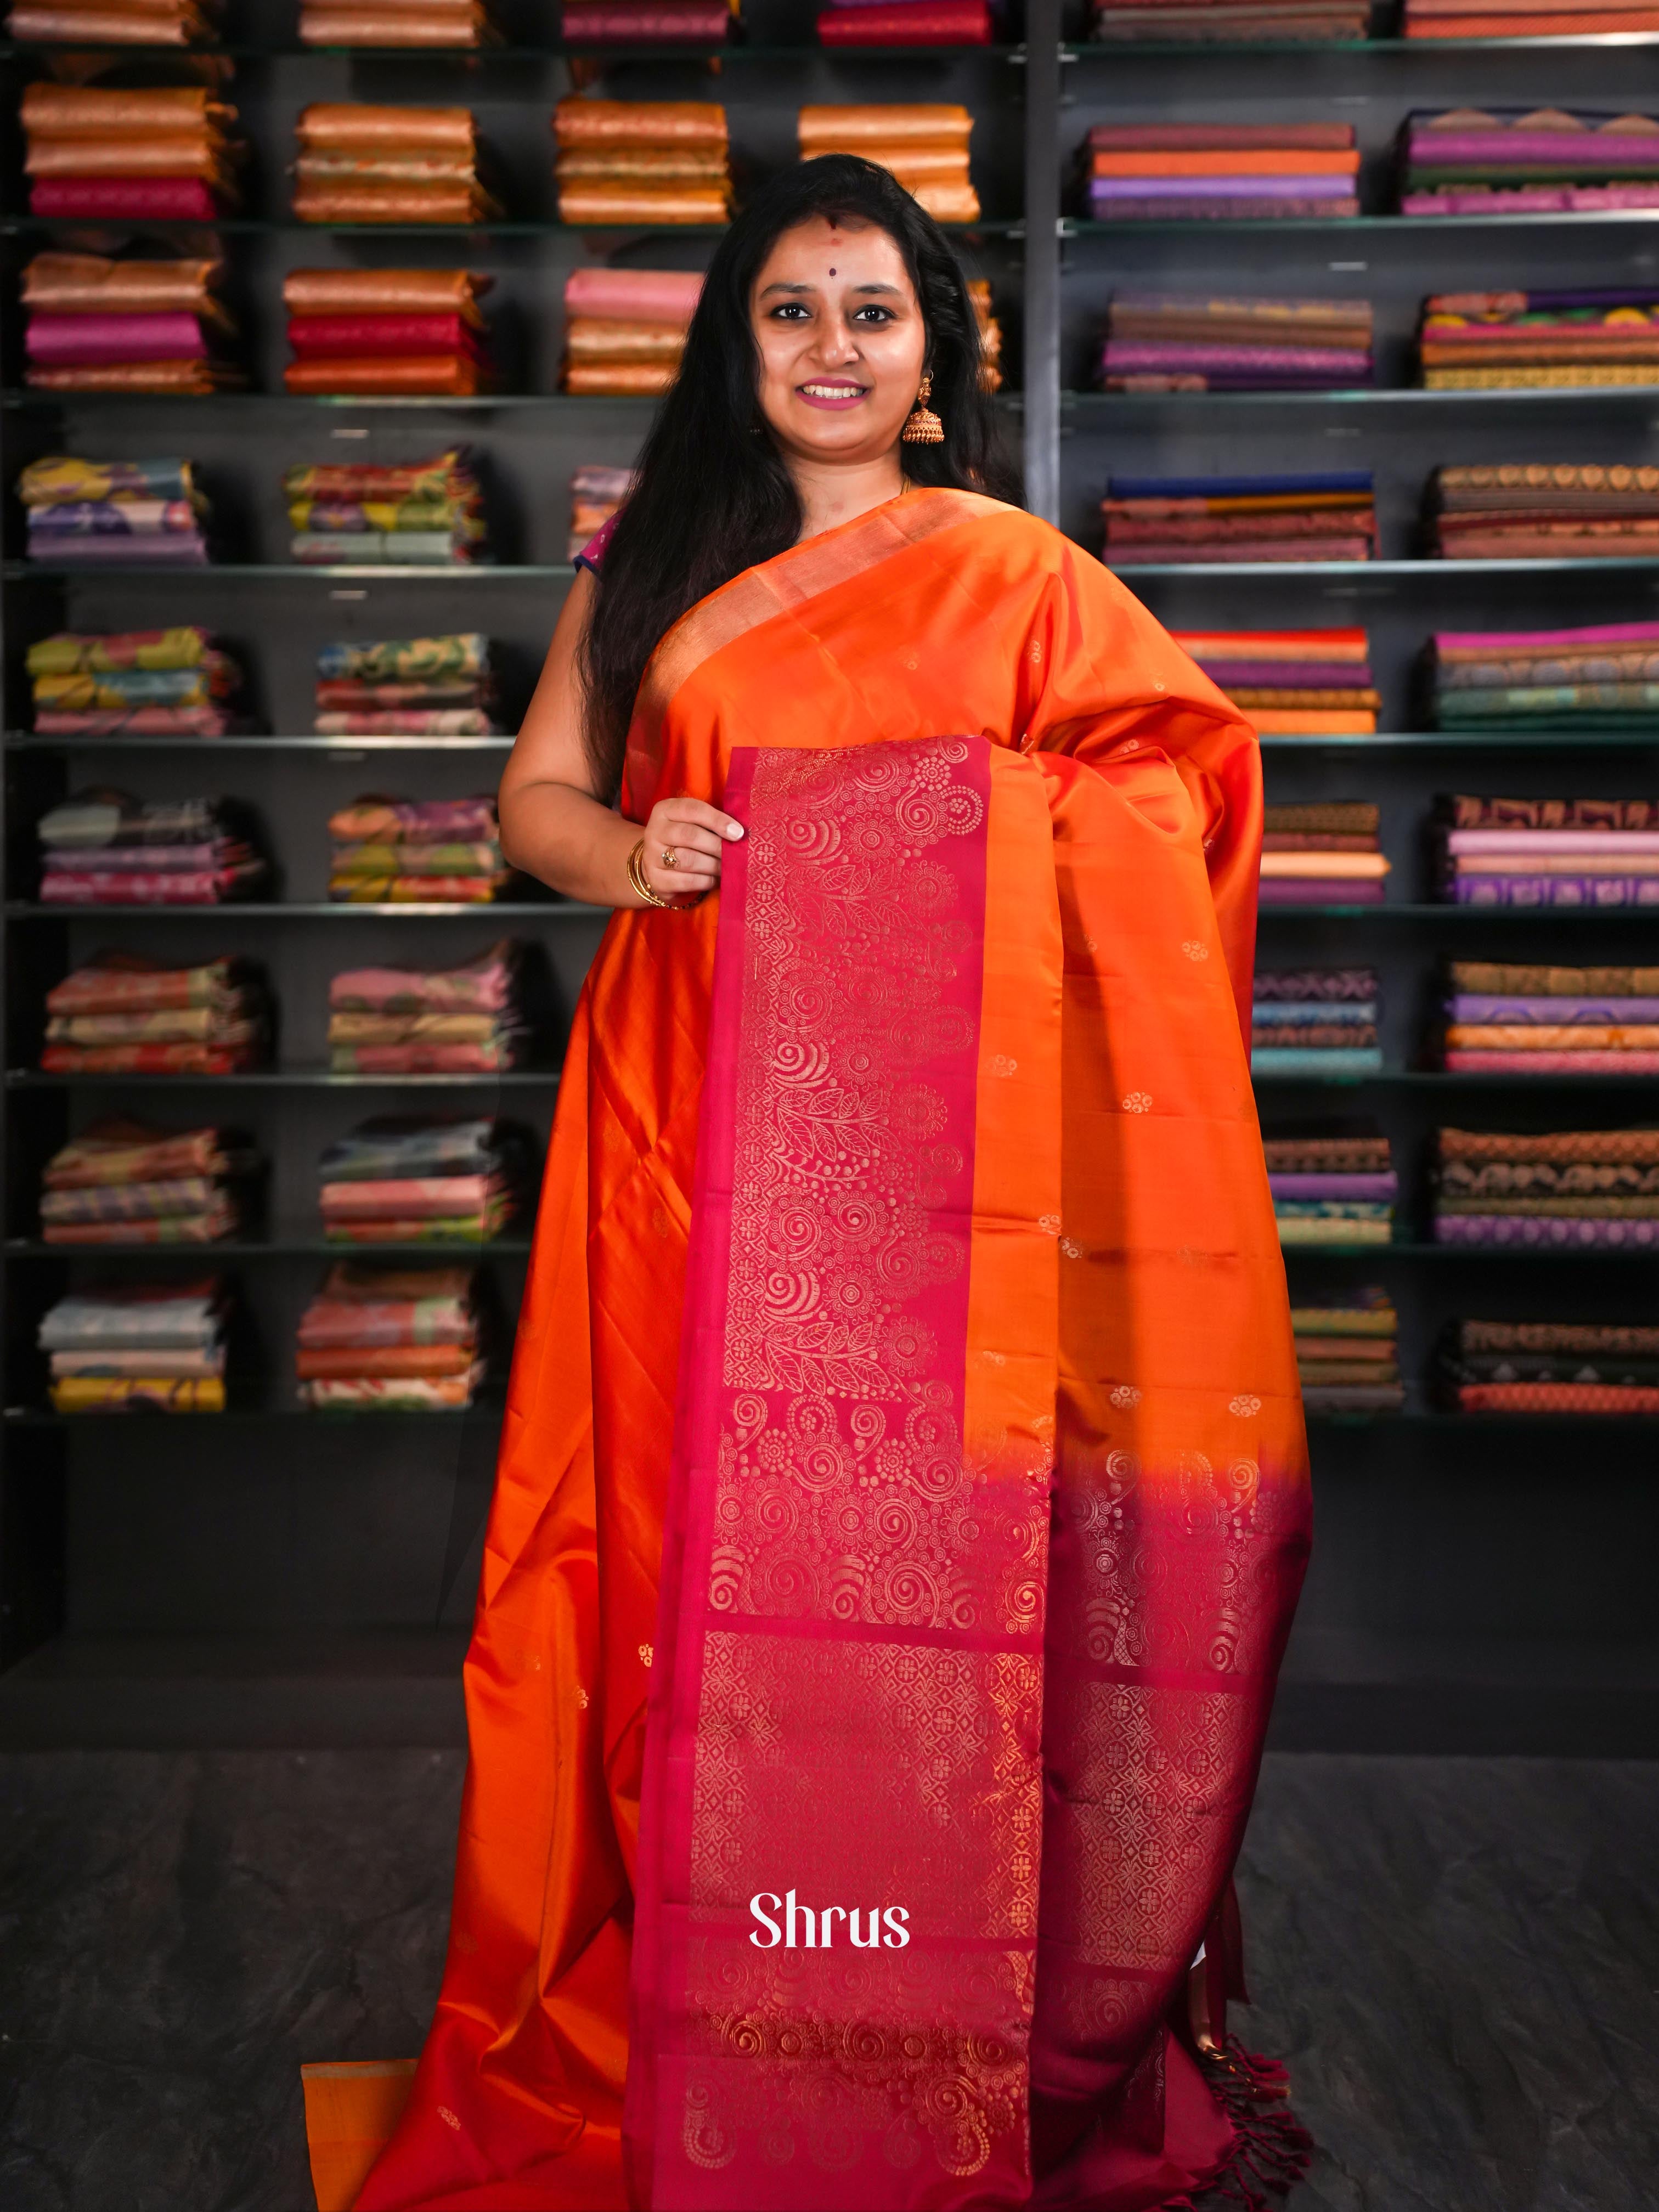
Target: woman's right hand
pixel 684 841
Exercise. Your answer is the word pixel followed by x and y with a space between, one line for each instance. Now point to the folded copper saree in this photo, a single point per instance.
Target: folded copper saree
pixel 926 147
pixel 386 291
pixel 902 1498
pixel 396 23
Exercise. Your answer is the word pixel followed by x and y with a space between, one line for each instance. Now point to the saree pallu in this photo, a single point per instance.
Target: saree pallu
pixel 903 1496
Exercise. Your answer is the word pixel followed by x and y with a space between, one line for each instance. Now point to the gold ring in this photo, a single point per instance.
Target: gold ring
pixel 670 859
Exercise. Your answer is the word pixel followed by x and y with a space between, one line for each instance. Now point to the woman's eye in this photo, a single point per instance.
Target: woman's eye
pixel 873 314
pixel 790 311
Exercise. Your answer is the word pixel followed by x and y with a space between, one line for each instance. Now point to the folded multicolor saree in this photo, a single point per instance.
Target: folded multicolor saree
pixel 903 1495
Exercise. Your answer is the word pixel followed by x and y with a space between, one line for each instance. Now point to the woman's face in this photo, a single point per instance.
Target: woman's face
pixel 842 341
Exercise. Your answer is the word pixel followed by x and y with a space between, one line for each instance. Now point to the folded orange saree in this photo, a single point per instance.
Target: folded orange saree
pixel 391 203
pixel 825 129
pixel 89 284
pixel 81 111
pixel 580 122
pixel 439 375
pixel 358 125
pixel 604 204
pixel 903 1496
pixel 625 379
pixel 385 291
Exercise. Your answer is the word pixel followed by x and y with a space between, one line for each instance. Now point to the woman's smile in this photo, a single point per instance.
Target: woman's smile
pixel 832 391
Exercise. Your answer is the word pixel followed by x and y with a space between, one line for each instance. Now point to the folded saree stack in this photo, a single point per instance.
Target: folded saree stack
pixel 1548 852
pixel 403 1340
pixel 1515 160
pixel 1539 341
pixel 1291 681
pixel 624 329
pixel 1192 519
pixel 1332 1185
pixel 647 22
pixel 138 1348
pixel 1563 1190
pixel 1526 19
pixel 1545 511
pixel 114 22
pixel 1220 172
pixel 363 163
pixel 906 23
pixel 471 1020
pixel 113 515
pixel 417 332
pixel 424 23
pixel 1348 1354
pixel 1181 342
pixel 925 147
pixel 409 1180
pixel 125 1014
pixel 1550 1367
pixel 144 683
pixel 105 849
pixel 1322 853
pixel 416 687
pixel 653 161
pixel 1315 1023
pixel 596 494
pixel 1605 678
pixel 122 1181
pixel 416 851
pixel 1229 22
pixel 1509 1017
pixel 94 324
pixel 162 153
pixel 421 514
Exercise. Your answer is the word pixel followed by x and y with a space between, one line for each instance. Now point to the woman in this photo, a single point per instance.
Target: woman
pixel 903 1495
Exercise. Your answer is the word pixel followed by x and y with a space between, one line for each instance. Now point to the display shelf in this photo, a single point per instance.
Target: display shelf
pixel 26 741
pixel 552 50
pixel 290 1242
pixel 579 405
pixel 1185 50
pixel 1096 407
pixel 1456 741
pixel 1412 571
pixel 1444 1078
pixel 283 1079
pixel 547 909
pixel 249 572
pixel 1498 917
pixel 1076 226
pixel 34 225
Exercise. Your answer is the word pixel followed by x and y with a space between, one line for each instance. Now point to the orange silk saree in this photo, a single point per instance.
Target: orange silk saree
pixel 902 1499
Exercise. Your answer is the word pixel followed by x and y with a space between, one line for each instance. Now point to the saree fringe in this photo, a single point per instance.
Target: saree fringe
pixel 1270 2149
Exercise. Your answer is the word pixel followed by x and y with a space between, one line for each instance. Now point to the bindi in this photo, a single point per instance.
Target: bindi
pixel 832 272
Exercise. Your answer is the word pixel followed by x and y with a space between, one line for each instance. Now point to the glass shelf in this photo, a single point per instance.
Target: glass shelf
pixel 31 226
pixel 1437 741
pixel 486 1407
pixel 284 1079
pixel 321 909
pixel 1185 50
pixel 304 1241
pixel 22 572
pixel 1574 917
pixel 553 50
pixel 1092 404
pixel 1413 1079
pixel 1438 571
pixel 580 403
pixel 25 741
pixel 1073 226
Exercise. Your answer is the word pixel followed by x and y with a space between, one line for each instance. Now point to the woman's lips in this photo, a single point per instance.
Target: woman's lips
pixel 830 392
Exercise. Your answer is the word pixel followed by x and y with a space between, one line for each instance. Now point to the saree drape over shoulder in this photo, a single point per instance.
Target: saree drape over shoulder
pixel 902 1499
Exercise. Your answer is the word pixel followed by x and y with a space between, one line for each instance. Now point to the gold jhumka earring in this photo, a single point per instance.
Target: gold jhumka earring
pixel 923 427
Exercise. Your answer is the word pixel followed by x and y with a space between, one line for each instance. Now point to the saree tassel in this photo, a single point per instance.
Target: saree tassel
pixel 1271 2149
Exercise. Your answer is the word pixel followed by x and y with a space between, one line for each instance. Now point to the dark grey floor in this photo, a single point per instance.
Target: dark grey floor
pixel 1459 1959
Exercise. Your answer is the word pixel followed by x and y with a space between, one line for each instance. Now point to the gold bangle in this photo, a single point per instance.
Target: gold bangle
pixel 637 877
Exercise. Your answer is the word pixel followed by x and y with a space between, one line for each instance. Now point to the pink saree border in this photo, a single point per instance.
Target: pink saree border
pixel 930 2104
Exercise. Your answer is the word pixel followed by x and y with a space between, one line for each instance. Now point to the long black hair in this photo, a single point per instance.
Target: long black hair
pixel 712 498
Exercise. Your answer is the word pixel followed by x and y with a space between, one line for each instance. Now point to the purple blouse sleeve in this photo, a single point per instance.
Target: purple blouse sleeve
pixel 591 556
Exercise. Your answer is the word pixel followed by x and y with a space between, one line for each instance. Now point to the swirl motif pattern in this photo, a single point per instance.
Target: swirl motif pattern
pixel 869 1719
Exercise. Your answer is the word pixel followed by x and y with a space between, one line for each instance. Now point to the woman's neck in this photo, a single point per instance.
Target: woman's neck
pixel 833 493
